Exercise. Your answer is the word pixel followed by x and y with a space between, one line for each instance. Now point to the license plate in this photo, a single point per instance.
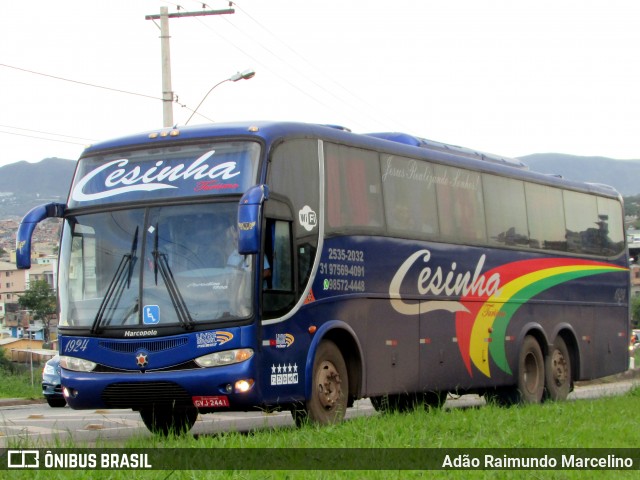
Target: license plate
pixel 211 402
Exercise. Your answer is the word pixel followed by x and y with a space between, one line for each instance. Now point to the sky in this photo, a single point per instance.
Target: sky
pixel 510 77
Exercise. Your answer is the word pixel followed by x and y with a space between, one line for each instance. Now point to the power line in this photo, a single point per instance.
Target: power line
pixel 42 138
pixel 322 72
pixel 95 86
pixel 265 66
pixel 47 133
pixel 309 78
pixel 79 82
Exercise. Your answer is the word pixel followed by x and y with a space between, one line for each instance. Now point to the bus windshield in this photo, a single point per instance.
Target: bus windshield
pixel 153 267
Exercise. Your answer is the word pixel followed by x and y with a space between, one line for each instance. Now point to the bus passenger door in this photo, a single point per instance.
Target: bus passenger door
pixel 278 286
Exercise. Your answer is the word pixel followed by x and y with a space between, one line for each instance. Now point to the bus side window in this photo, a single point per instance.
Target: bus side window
pixel 306 254
pixel 279 292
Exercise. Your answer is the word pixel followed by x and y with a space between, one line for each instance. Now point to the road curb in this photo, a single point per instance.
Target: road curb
pixel 13 402
pixel 630 374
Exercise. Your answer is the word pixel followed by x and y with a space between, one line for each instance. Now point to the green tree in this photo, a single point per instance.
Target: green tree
pixel 41 300
pixel 635 311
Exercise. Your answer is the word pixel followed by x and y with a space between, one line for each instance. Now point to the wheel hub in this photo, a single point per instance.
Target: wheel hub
pixel 559 368
pixel 531 377
pixel 329 390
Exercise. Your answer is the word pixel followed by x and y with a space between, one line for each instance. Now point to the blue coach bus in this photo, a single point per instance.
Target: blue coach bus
pixel 296 266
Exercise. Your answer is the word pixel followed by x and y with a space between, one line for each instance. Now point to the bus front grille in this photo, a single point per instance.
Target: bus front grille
pixel 144 394
pixel 128 346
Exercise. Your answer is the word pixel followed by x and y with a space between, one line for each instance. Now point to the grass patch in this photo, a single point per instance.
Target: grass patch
pixel 636 356
pixel 602 423
pixel 17 381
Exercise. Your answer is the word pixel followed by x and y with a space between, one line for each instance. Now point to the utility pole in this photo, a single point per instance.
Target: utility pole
pixel 167 92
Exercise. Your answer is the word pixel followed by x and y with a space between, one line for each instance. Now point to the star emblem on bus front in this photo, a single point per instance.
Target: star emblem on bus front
pixel 141 360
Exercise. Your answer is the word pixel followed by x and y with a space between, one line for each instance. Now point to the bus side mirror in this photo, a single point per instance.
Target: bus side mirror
pixel 28 224
pixel 249 219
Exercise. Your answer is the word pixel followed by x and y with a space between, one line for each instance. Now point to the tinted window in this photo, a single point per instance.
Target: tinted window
pixel 460 206
pixel 294 175
pixel 409 196
pixel 353 187
pixel 546 217
pixel 506 211
pixel 611 223
pixel 584 231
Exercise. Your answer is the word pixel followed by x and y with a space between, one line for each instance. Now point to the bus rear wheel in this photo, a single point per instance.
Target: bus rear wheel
pixel 166 420
pixel 329 388
pixel 558 374
pixel 530 371
pixel 531 378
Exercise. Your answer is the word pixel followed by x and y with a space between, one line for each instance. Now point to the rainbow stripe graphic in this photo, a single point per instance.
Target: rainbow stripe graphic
pixel 481 331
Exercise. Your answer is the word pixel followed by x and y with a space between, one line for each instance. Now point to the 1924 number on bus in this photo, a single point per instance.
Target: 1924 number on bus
pixel 78 345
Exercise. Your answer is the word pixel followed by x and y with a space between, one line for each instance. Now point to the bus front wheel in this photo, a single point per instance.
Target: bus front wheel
pixel 329 388
pixel 169 420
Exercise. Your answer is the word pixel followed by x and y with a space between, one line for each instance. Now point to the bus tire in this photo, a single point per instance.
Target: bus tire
pixel 558 373
pixel 165 420
pixel 531 378
pixel 329 388
pixel 530 371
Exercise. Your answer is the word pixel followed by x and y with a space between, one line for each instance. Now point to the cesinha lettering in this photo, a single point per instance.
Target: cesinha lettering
pixel 438 282
pixel 119 180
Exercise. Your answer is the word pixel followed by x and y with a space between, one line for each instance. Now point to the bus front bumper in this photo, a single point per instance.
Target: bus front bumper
pixel 231 387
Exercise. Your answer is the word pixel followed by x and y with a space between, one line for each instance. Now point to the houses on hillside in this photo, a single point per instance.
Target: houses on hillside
pixel 16 323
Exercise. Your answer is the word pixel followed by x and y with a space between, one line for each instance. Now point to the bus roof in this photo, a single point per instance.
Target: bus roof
pixel 453 149
pixel 392 142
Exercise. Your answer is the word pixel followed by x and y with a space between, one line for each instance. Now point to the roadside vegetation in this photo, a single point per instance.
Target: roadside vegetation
pixel 602 423
pixel 17 380
pixel 635 311
pixel 635 354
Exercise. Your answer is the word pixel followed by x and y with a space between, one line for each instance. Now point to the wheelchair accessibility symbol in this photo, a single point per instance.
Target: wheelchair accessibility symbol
pixel 151 314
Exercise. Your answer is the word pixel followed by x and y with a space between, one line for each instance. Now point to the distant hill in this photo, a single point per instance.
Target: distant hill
pixel 623 175
pixel 24 185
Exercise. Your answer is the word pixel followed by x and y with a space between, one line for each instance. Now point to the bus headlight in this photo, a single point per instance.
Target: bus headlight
pixel 227 357
pixel 77 364
pixel 243 386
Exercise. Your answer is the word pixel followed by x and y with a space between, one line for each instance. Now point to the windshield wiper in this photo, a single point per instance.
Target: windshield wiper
pixel 161 264
pixel 121 278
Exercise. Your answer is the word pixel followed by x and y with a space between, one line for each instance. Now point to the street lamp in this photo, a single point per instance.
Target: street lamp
pixel 246 75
